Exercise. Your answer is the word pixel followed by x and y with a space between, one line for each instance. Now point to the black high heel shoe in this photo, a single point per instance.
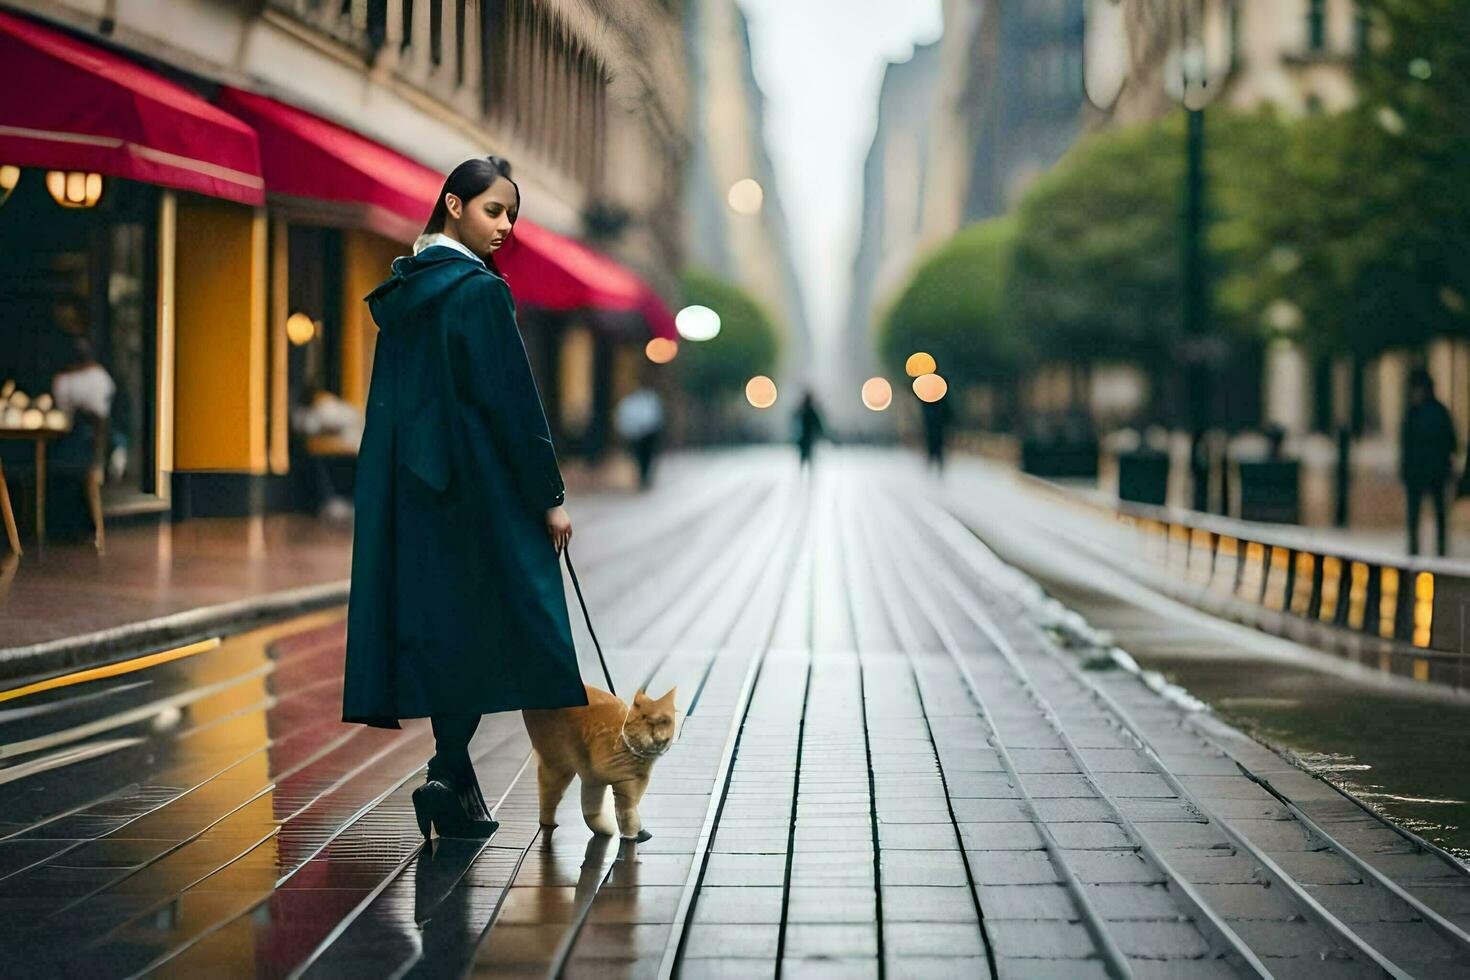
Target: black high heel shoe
pixel 437 805
pixel 476 811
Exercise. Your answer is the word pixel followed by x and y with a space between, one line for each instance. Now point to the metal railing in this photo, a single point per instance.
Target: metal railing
pixel 1396 613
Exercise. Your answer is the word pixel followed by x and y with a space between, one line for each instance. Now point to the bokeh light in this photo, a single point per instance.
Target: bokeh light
pixel 760 391
pixel 919 363
pixel 300 328
pixel 930 387
pixel 746 196
pixel 877 394
pixel 660 350
pixel 697 323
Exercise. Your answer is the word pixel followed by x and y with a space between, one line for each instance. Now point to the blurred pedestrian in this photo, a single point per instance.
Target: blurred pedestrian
pixel 1426 443
pixel 937 417
pixel 640 420
pixel 319 412
pixel 808 426
pixel 457 607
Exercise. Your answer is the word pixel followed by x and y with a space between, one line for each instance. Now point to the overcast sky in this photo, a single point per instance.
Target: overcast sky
pixel 820 63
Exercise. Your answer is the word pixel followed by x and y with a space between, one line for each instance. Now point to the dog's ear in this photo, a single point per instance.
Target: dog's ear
pixel 669 697
pixel 640 696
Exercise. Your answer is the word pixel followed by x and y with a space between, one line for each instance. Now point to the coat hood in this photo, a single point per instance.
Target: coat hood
pixel 417 280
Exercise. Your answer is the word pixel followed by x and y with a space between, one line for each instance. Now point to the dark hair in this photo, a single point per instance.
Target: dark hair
pixel 77 351
pixel 1422 380
pixel 469 180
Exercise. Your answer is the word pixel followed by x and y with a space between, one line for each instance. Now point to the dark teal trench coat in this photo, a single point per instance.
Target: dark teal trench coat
pixel 457 602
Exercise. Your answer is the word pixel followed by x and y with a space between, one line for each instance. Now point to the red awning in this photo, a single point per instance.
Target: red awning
pixel 308 159
pixel 305 156
pixel 563 274
pixel 70 105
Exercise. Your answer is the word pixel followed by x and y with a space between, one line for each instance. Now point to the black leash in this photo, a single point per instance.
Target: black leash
pixel 566 552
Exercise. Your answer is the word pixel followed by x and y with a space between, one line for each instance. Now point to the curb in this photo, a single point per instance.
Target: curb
pixel 96 649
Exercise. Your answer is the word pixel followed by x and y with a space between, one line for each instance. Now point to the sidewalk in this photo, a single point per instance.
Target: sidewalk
pixel 886 766
pixel 66 606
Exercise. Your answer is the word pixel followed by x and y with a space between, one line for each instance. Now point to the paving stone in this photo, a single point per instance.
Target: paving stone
pixel 981 786
pixel 1017 836
pixel 618 940
pixel 1046 901
pixel 827 904
pixel 724 968
pixel 1174 969
pixel 936 967
pixel 1030 968
pixel 1116 760
pixel 1217 868
pixel 811 939
pixel 727 941
pixel 988 811
pixel 1075 810
pixel 1044 760
pixel 1291 938
pixel 1051 785
pixel 923 868
pixel 830 969
pixel 1135 784
pixel 1054 939
pixel 738 905
pixel 1158 940
pixel 1092 836
pixel 1197 836
pixel 1317 868
pixel 917 837
pixel 1133 901
pixel 588 968
pixel 928 903
pixel 1107 867
pixel 1272 836
pixel 745 869
pixel 939 939
pixel 1012 867
pixel 1249 901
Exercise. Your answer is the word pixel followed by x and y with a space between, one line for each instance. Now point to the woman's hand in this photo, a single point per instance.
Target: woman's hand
pixel 559 526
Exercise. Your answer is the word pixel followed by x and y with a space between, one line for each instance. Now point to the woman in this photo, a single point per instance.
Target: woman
pixel 456 606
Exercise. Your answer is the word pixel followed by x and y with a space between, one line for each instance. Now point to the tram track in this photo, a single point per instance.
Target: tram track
pixel 945 527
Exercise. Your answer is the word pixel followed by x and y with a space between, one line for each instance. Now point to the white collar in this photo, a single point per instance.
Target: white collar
pixel 439 238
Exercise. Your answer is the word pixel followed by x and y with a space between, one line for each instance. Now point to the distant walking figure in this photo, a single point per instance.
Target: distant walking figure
pixel 640 420
pixel 937 416
pixel 1426 443
pixel 456 608
pixel 808 426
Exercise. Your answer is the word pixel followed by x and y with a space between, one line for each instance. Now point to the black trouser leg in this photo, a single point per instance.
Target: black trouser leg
pixel 1436 496
pixel 451 761
pixel 1415 494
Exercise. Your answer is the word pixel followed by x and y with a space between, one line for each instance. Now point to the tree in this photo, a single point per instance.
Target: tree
pixel 955 308
pixel 747 344
pixel 1098 271
pixel 1367 214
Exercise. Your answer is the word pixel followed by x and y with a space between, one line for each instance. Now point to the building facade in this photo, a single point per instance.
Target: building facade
pixel 745 240
pixel 221 299
pixel 1297 56
pixel 893 226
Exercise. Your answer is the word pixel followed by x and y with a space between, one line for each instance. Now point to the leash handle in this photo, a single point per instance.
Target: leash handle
pixel 566 553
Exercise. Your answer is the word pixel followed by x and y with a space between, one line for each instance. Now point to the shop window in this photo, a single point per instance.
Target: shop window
pixel 84 279
pixel 314 308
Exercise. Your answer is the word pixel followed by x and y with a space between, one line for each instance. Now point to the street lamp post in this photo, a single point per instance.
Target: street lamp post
pixel 1196 309
pixel 1188 79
